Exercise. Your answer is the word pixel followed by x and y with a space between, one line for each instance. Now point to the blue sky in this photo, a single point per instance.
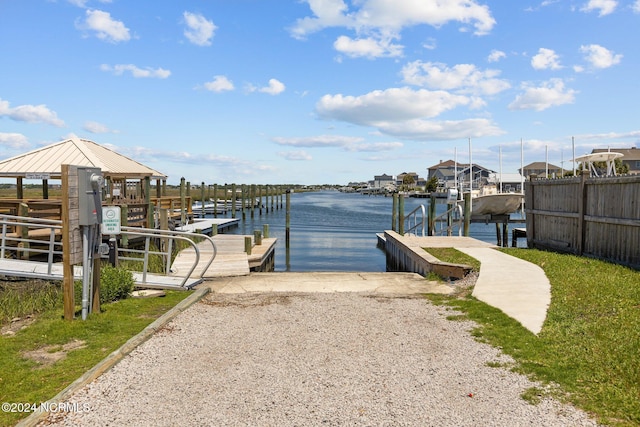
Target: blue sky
pixel 320 91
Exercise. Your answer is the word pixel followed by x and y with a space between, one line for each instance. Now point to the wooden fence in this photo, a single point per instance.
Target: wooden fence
pixel 598 217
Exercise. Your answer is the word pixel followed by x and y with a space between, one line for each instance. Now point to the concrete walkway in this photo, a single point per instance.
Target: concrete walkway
pixel 517 287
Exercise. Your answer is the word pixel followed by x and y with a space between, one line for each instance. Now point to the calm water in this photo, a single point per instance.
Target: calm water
pixel 333 231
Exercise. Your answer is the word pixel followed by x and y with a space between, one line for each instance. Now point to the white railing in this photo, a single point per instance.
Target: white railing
pixel 418 217
pixel 447 221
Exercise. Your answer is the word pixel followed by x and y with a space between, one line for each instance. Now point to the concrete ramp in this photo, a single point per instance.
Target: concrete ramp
pixel 382 283
pixel 517 287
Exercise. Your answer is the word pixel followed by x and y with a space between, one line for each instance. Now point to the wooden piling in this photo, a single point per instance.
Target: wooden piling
pixel 401 214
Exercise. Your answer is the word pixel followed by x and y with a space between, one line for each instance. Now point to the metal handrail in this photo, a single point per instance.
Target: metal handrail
pixel 414 215
pixel 20 221
pixel 444 219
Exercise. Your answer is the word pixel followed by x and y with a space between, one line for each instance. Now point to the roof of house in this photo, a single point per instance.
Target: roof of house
pixel 627 153
pixel 540 165
pixel 79 152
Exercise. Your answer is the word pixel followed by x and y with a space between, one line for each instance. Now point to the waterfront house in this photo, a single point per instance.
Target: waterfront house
pixel 444 172
pixel 540 169
pixel 630 157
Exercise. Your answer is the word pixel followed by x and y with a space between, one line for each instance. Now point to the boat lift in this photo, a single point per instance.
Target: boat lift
pixel 608 157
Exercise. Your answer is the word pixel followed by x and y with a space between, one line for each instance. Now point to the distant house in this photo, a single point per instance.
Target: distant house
pixel 383 181
pixel 445 172
pixel 511 182
pixel 630 157
pixel 540 169
pixel 416 180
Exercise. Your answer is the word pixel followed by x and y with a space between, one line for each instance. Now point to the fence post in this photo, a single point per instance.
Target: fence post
pixel 582 205
pixel 529 203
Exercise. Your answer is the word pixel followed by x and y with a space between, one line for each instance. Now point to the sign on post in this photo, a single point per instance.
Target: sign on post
pixel 111 220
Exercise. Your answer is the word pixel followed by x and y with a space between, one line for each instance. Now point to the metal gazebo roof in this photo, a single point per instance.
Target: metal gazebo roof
pixel 48 161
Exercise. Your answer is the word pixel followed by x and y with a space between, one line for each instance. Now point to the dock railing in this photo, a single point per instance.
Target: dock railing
pixel 448 221
pixel 417 217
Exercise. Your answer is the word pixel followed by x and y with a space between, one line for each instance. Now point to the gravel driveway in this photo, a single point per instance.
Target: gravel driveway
pixel 292 359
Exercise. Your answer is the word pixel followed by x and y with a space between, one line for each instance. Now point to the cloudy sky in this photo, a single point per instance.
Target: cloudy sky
pixel 320 91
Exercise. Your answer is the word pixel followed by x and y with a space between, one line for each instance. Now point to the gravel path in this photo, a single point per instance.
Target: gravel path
pixel 314 359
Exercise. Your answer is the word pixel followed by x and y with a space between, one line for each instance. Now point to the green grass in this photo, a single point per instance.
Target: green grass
pixel 590 342
pixel 20 298
pixel 24 380
pixel 454 256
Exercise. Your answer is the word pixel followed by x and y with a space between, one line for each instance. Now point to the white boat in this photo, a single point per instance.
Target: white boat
pixel 496 204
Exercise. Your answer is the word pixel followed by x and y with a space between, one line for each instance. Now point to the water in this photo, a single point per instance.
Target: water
pixel 333 231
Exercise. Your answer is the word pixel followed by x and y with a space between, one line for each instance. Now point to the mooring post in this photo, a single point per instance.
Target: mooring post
pixel 233 200
pixel 401 214
pixel 243 200
pixel 215 200
pixel 265 230
pixel 394 213
pixel 288 219
pixel 432 216
pixel 183 213
pixel 202 198
pixel 247 244
pixel 467 214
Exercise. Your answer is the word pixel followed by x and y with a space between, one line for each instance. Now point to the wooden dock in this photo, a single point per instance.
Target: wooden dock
pixel 231 258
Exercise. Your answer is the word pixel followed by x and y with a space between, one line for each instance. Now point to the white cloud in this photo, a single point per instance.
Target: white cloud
pixel 275 87
pixel 551 93
pixel 376 23
pixel 374 146
pixel 95 127
pixel 30 114
pixel 463 78
pixel 496 55
pixel 348 143
pixel 13 140
pixel 636 6
pixel 546 59
pixel 318 141
pixel 104 26
pixel 295 155
pixel 432 130
pixel 393 15
pixel 199 30
pixel 600 57
pixel 605 7
pixel 219 84
pixel 368 47
pixel 395 104
pixel 148 72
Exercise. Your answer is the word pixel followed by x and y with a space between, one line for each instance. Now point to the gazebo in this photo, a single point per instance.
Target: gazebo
pixel 126 180
pixel 46 163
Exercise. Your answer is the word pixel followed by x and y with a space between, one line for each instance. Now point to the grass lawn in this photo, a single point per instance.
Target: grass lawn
pixel 589 347
pixel 28 372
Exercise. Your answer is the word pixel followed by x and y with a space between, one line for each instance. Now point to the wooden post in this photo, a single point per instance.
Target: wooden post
pixel 233 200
pixel 394 213
pixel 252 198
pixel 124 221
pixel 288 219
pixel 243 201
pixel 67 267
pixel 582 207
pixel 45 188
pixel 530 207
pixel 505 233
pixel 19 188
pixel 265 230
pixel 247 244
pixel 449 219
pixel 23 231
pixel 467 214
pixel 401 214
pixel 432 215
pixel 183 198
pixel 215 200
pixel 260 199
pixel 257 235
pixel 202 198
pixel 147 201
pixel 498 236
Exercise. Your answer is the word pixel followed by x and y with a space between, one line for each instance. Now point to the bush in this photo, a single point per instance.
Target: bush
pixel 115 284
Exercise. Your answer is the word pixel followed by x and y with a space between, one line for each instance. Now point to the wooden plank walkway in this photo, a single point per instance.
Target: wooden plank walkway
pixel 39 270
pixel 231 259
pixel 205 225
